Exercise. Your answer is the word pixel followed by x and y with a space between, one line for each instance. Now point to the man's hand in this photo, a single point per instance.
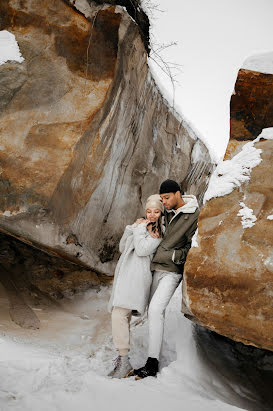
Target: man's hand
pixel 141 220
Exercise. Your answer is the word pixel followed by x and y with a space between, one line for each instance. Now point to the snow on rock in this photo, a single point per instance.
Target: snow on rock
pixel 267 133
pixel 270 217
pixel 248 218
pixel 194 240
pixel 9 49
pixel 232 173
pixel 262 63
pixel 197 154
pixel 147 7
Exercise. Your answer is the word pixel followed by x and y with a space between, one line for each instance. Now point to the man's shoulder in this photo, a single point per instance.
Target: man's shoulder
pixel 190 217
pixel 169 216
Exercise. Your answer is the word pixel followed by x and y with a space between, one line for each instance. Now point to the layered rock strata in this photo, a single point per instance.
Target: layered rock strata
pixel 251 105
pixel 85 133
pixel 228 282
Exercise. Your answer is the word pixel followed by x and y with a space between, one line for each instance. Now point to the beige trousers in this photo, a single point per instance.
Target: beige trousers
pixel 121 318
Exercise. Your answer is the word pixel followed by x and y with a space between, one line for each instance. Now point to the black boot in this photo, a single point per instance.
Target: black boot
pixel 150 369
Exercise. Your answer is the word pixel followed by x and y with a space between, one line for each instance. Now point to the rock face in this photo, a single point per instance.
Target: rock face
pixel 85 135
pixel 251 105
pixel 135 10
pixel 228 282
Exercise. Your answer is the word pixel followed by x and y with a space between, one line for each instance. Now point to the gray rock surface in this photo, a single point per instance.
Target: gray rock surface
pixel 85 133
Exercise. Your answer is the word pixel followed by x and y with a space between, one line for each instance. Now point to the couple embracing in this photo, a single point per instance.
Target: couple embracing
pixel 149 270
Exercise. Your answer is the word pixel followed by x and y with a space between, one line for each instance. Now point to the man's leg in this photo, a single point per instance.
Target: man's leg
pixel 163 287
pixel 166 286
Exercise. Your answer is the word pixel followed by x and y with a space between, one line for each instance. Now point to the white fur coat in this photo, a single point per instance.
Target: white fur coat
pixel 133 275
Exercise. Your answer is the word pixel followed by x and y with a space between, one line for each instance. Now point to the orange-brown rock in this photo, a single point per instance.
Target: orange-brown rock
pixel 251 108
pixel 85 134
pixel 228 279
pixel 251 105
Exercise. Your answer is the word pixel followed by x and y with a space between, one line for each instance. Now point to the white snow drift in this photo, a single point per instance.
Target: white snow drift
pixel 232 173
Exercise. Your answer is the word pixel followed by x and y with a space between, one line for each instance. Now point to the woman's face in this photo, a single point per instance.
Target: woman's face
pixel 153 214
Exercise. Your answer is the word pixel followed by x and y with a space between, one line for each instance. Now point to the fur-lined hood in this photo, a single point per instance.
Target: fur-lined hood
pixel 190 206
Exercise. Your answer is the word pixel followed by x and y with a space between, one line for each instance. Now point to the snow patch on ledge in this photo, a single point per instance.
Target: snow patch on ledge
pixel 270 217
pixel 248 218
pixel 9 49
pixel 267 134
pixel 232 173
pixel 262 63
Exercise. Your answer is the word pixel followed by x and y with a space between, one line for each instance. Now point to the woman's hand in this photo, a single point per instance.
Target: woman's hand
pixel 153 233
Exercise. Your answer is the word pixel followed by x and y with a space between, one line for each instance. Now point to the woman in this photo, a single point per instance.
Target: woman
pixel 133 278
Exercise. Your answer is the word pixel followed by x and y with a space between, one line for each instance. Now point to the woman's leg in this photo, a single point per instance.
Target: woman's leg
pixel 121 318
pixel 121 337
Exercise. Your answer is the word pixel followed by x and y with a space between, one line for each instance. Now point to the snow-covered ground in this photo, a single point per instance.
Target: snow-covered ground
pixel 64 365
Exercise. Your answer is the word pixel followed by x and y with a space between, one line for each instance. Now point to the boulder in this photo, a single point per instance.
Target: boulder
pixel 251 104
pixel 85 134
pixel 228 282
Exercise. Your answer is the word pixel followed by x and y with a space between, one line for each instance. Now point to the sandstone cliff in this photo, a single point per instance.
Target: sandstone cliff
pixel 228 283
pixel 85 133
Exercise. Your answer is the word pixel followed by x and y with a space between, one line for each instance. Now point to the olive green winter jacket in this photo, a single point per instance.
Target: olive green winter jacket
pixel 173 249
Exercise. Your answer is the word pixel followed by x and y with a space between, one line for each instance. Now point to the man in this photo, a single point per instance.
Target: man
pixel 181 215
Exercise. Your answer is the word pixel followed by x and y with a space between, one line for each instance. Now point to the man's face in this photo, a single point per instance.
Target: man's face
pixel 170 200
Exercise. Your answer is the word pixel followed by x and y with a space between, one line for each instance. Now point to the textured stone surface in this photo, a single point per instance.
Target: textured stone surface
pixel 135 10
pixel 251 108
pixel 29 272
pixel 228 282
pixel 85 135
pixel 19 311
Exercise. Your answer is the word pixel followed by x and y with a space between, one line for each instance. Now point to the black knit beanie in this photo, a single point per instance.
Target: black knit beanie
pixel 169 186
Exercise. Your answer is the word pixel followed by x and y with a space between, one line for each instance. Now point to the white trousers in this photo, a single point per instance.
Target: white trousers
pixel 163 287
